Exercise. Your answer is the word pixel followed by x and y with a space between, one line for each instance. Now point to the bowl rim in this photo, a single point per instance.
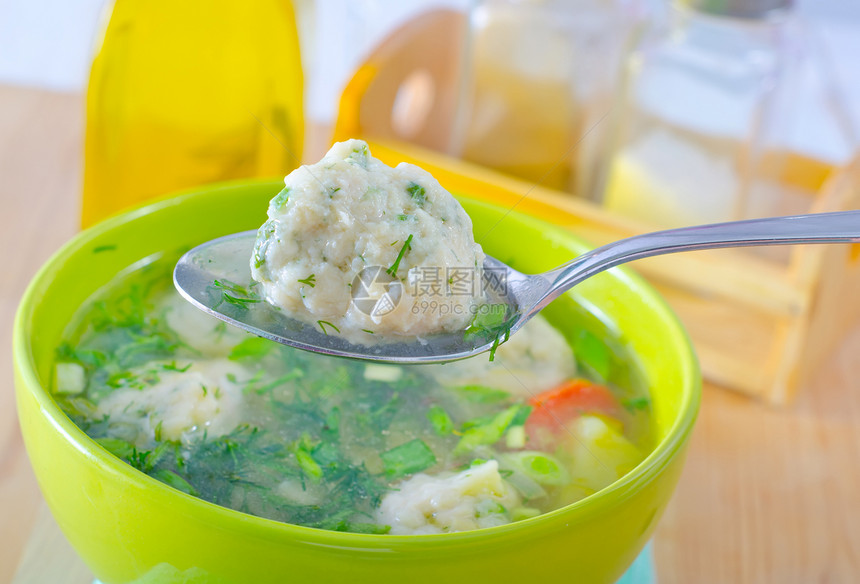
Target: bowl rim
pixel 267 529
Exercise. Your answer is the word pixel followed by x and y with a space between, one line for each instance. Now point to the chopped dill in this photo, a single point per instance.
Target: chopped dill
pixel 325 323
pixel 236 294
pixel 310 281
pixel 392 271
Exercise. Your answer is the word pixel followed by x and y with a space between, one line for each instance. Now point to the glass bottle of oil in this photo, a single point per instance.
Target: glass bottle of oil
pixel 190 92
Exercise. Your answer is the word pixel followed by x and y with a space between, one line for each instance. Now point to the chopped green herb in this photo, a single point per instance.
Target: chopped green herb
pixel 521 513
pixel 373 528
pixel 481 394
pixel 417 192
pixel 332 421
pixel 540 466
pixel 240 302
pixel 117 447
pixel 493 349
pixel 251 348
pixel 158 454
pixel 403 217
pixel 593 353
pixel 172 366
pixel 409 458
pixel 492 322
pixel 236 294
pixel 359 156
pixel 489 319
pixel 635 404
pixel 174 480
pixel 233 287
pixel 302 451
pixel 440 420
pixel 522 415
pixel 486 432
pixel 279 200
pixel 310 281
pixel 259 260
pixel 252 386
pixel 261 245
pixel 392 271
pixel 325 323
pixel 138 459
pixel 489 507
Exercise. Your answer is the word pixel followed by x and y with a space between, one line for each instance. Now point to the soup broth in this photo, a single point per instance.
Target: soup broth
pixel 288 435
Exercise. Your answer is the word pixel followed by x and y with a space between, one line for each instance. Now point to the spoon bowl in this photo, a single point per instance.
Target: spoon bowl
pixel 216 278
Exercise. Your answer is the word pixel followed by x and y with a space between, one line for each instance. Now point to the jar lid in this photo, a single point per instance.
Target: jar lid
pixel 738 8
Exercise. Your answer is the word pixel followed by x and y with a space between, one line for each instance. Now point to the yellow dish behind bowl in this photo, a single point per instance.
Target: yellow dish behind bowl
pixel 129 527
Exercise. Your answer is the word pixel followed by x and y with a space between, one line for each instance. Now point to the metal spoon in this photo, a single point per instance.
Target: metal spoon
pixel 207 276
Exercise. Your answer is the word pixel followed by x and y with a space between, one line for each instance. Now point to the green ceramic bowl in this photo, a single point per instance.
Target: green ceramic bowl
pixel 129 527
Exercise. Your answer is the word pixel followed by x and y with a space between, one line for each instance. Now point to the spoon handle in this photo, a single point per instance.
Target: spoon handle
pixel 839 227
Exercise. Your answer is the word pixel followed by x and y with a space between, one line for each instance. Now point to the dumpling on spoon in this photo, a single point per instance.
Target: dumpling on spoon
pixel 360 248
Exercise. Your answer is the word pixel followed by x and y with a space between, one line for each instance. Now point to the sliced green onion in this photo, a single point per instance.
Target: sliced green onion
pixel 540 466
pixel 307 463
pixel 174 480
pixel 440 420
pixel 488 432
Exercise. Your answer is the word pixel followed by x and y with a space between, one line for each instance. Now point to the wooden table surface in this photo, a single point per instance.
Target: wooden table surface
pixel 767 495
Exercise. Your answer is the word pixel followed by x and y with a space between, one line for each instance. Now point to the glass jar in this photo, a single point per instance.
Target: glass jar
pixel 711 122
pixel 538 71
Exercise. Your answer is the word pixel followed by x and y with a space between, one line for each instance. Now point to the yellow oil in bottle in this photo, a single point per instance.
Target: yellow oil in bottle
pixel 183 93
